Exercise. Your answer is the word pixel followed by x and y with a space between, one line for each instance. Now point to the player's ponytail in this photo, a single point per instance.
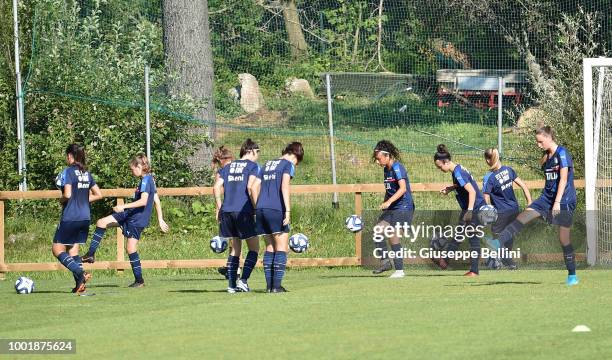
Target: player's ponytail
pixel 78 154
pixel 442 153
pixel 247 146
pixel 492 157
pixel 386 147
pixel 296 149
pixel 142 160
pixel 548 131
pixel 221 154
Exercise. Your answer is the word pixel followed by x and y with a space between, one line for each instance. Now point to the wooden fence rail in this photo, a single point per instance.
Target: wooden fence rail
pixel 120 264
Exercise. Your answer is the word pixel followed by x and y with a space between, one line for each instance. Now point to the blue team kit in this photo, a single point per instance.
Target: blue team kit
pixel 74 225
pixel 237 212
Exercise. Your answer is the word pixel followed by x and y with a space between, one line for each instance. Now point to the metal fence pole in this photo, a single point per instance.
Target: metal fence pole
pixel 335 203
pixel 148 113
pixel 21 158
pixel 500 112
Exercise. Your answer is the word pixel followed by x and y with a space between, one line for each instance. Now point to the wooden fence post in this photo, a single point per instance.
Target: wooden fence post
pixel 120 241
pixel 2 276
pixel 358 209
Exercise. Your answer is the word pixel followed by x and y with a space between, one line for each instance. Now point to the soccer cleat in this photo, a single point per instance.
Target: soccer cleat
pixel 80 285
pixel 242 286
pixel 88 258
pixel 470 274
pixel 385 265
pixel 136 284
pixel 279 290
pixel 397 274
pixel 223 271
pixel 509 264
pixel 572 280
pixel 231 290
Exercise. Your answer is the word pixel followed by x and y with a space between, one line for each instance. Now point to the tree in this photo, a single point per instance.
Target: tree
pixel 297 42
pixel 188 53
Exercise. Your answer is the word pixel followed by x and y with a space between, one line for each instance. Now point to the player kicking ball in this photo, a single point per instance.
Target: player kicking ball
pixel 557 202
pixel 133 217
pixel 398 206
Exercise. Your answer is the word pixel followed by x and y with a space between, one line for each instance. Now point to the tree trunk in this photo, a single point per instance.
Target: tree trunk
pixel 188 53
pixel 297 42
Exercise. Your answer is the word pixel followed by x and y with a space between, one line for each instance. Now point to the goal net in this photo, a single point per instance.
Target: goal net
pixel 598 152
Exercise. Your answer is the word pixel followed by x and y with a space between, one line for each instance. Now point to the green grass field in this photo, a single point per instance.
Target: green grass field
pixel 341 313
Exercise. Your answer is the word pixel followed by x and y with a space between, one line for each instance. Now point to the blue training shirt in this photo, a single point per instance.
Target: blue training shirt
pixel 271 196
pixel 235 177
pixel 77 207
pixel 552 170
pixel 392 177
pixel 462 177
pixel 141 216
pixel 498 184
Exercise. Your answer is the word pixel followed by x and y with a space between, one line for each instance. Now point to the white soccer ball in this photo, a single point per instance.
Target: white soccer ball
pixel 59 182
pixel 487 214
pixel 298 243
pixel 24 285
pixel 218 244
pixel 354 223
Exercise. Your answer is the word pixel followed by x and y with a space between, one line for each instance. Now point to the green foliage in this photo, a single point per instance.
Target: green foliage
pixel 97 100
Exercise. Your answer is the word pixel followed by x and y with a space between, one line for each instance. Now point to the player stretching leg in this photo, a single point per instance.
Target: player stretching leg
pixel 133 217
pixel 273 213
pixel 398 207
pixel 469 198
pixel 239 185
pixel 498 191
pixel 78 190
pixel 557 202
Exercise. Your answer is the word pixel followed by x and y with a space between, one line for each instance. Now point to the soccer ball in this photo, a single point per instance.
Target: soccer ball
pixel 24 285
pixel 218 244
pixel 59 181
pixel 493 263
pixel 487 214
pixel 298 243
pixel 354 223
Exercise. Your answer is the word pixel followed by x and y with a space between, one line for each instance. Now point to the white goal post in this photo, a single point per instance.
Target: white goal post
pixel 598 190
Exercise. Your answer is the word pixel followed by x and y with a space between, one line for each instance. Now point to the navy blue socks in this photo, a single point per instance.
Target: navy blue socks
pixel 280 263
pixel 233 262
pixel 95 240
pixel 268 260
pixel 136 269
pixel 249 264
pixel 70 264
pixel 570 259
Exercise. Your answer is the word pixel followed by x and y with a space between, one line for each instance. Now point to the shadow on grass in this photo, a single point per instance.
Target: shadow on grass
pixel 220 278
pixel 102 286
pixel 52 292
pixel 197 291
pixel 489 283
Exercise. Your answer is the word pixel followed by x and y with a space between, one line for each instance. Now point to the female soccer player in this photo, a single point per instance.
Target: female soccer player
pixel 498 191
pixel 398 207
pixel 78 190
pixel 238 183
pixel 133 217
pixel 273 213
pixel 221 157
pixel 557 202
pixel 469 198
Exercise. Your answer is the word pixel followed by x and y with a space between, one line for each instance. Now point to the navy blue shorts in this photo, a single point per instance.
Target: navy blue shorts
pixel 503 220
pixel 544 206
pixel 240 225
pixel 393 217
pixel 270 221
pixel 71 232
pixel 129 230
